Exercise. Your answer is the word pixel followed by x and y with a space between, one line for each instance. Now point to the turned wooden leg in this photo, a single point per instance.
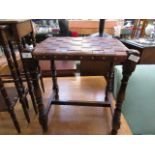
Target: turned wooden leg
pixel 31 92
pixel 33 41
pixel 9 105
pixel 109 78
pixel 54 79
pixel 43 118
pixel 19 87
pixel 128 67
pixel 41 80
pixel 28 78
pixel 14 119
pixel 32 66
pixel 17 69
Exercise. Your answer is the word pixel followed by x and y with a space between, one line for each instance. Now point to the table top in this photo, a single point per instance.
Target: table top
pixel 12 21
pixel 79 46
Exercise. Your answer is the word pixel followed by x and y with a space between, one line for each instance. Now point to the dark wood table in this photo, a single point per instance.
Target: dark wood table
pixel 147 52
pixel 95 49
pixel 19 28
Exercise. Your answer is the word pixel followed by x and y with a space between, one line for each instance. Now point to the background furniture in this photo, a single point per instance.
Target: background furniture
pixel 147 52
pixel 88 27
pixel 20 31
pixel 18 76
pixel 139 28
pixel 45 28
pixel 15 74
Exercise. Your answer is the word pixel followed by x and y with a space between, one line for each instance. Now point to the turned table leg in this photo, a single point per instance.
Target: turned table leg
pixel 32 66
pixel 128 67
pixel 27 76
pixel 20 89
pixel 43 118
pixel 17 68
pixel 54 80
pixel 33 40
pixel 109 78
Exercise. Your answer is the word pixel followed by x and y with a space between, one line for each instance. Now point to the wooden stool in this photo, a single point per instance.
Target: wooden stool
pixel 19 31
pixel 111 51
pixel 15 33
pixel 15 74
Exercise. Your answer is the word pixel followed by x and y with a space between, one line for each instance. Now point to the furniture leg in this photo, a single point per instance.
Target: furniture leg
pixel 128 67
pixel 43 118
pixel 28 79
pixel 32 66
pixel 110 79
pixel 14 119
pixel 54 79
pixel 17 69
pixel 41 78
pixel 9 105
pixel 22 97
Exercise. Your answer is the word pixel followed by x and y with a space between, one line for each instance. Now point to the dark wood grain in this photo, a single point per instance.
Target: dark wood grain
pixel 32 66
pixel 17 79
pixel 128 67
pixel 8 104
pixel 16 31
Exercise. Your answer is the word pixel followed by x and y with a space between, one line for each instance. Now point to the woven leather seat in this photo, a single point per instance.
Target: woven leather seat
pixel 73 47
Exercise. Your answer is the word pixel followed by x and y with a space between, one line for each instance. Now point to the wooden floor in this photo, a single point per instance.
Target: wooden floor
pixel 69 120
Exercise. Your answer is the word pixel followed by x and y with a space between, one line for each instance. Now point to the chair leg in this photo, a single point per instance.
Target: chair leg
pixel 41 79
pixel 33 101
pixel 34 44
pixel 31 90
pixel 19 87
pixel 54 79
pixel 32 66
pixel 14 119
pixel 25 110
pixel 28 79
pixel 26 103
pixel 12 52
pixel 42 83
